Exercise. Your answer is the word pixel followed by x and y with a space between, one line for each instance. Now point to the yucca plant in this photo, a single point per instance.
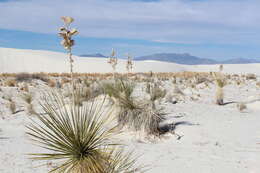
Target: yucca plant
pixel 220 82
pixel 129 63
pixel 79 137
pixel 137 115
pixel 66 33
pixel 113 61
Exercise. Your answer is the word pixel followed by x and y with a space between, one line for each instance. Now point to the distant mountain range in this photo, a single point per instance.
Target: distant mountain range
pixel 192 60
pixel 97 55
pixel 184 58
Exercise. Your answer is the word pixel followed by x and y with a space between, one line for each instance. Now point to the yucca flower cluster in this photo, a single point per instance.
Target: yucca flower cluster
pixel 67 41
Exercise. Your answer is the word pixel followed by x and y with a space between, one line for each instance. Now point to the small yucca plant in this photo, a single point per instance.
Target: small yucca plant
pixel 220 82
pixel 79 137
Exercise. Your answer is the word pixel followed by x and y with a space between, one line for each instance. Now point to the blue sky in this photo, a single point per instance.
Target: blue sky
pixel 217 29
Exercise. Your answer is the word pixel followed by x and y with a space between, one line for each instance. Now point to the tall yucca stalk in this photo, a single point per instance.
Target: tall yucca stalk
pixel 129 63
pixel 113 61
pixel 66 33
pixel 78 136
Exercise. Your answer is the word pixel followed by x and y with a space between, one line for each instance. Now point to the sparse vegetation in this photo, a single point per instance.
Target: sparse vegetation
pixel 77 136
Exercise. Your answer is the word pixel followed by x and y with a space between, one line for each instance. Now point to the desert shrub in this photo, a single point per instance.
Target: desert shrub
pixel 12 106
pixel 11 83
pixel 155 91
pixel 241 107
pixel 24 87
pixel 41 76
pixel 220 82
pixel 258 84
pixel 51 83
pixel 133 114
pixel 79 137
pixel 251 77
pixel 20 77
pixel 28 98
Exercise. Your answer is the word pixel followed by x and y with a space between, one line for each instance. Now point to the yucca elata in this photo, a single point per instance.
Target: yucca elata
pixel 66 33
pixel 113 61
pixel 129 63
pixel 137 115
pixel 220 83
pixel 79 137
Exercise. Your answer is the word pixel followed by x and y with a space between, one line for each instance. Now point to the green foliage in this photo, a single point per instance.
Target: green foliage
pixel 78 136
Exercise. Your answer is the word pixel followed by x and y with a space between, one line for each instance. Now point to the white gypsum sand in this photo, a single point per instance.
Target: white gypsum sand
pixel 214 138
pixel 21 60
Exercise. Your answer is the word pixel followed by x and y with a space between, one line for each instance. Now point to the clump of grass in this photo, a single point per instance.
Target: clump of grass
pixel 241 106
pixel 76 135
pixel 28 98
pixel 21 77
pixel 133 114
pixel 51 83
pixel 251 77
pixel 155 91
pixel 10 83
pixel 12 106
pixel 11 103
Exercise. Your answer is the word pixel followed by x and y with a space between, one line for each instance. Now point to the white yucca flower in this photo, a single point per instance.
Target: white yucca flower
pixel 67 20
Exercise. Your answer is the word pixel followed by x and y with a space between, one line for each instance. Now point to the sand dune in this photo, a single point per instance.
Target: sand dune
pixel 21 60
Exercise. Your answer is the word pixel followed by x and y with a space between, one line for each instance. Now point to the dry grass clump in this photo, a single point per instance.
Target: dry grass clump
pixel 21 77
pixel 241 107
pixel 133 114
pixel 11 103
pixel 28 99
pixel 251 77
pixel 155 92
pixel 24 87
pixel 41 76
pixel 76 136
pixel 11 83
pixel 12 107
pixel 258 84
pixel 51 83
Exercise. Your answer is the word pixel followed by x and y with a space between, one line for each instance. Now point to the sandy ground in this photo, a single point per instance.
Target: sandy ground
pixel 21 60
pixel 214 138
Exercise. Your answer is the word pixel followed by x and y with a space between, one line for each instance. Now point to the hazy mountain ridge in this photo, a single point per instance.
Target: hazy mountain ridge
pixel 188 59
pixel 184 58
pixel 97 55
pixel 177 58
